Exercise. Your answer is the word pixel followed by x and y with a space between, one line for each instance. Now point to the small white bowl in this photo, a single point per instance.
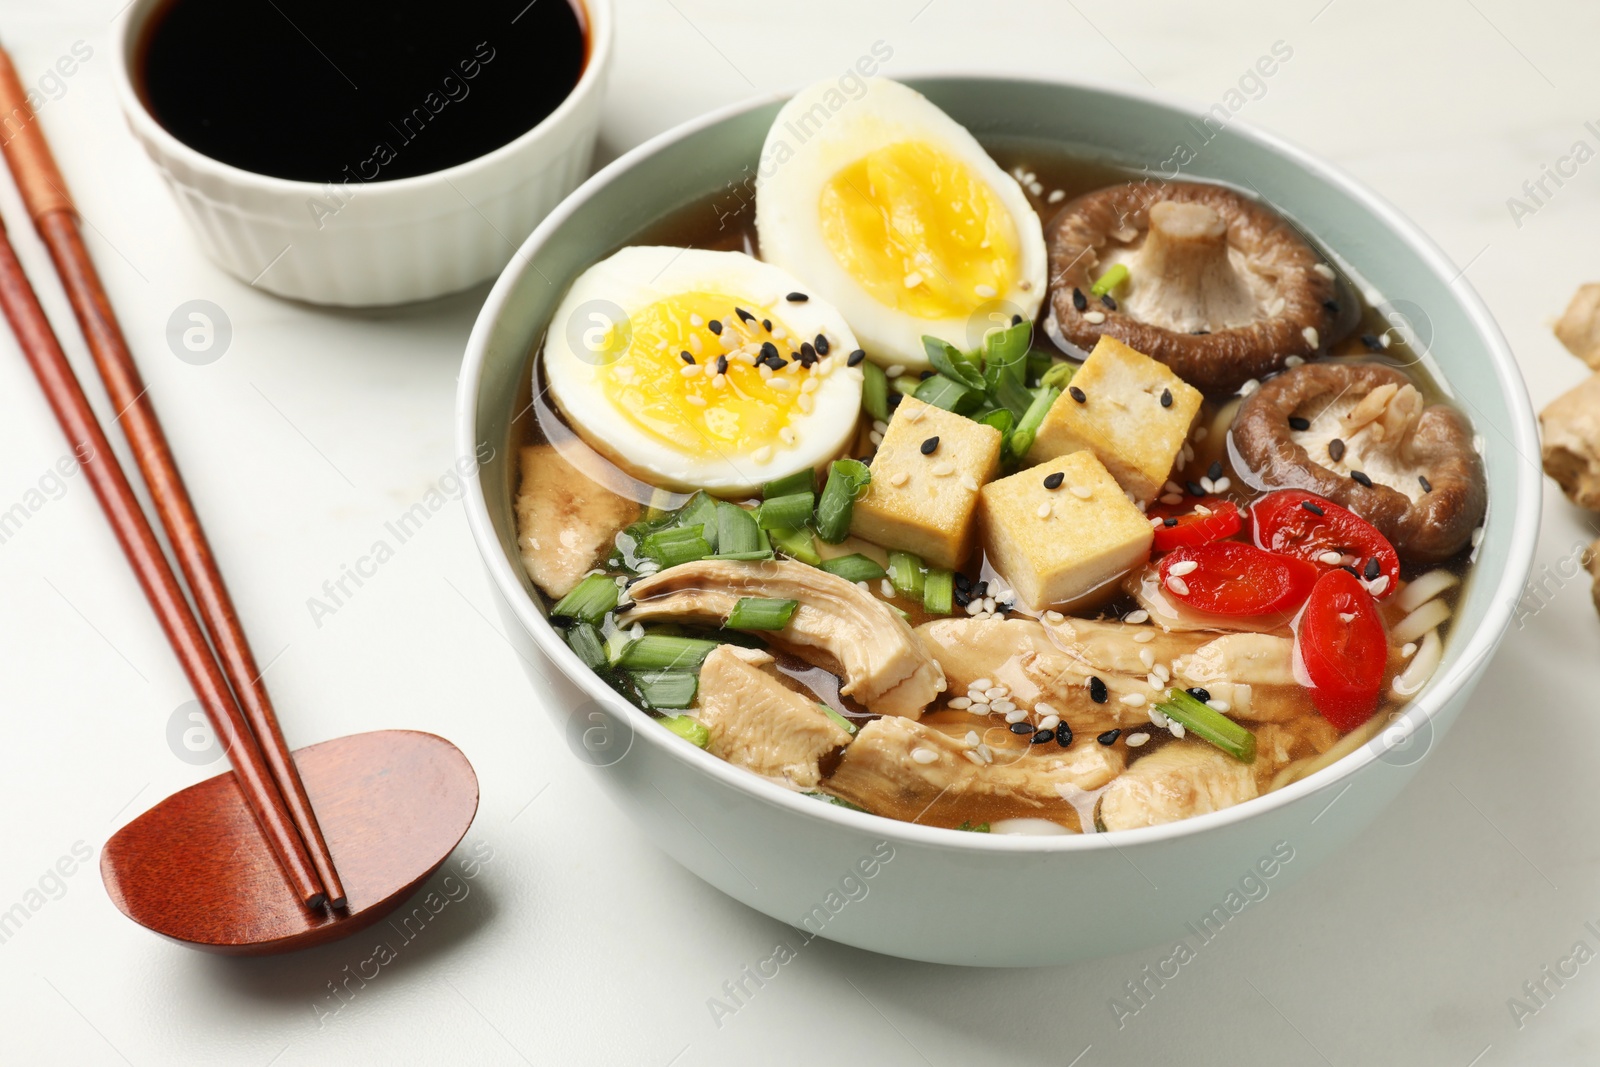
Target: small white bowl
pixel 387 242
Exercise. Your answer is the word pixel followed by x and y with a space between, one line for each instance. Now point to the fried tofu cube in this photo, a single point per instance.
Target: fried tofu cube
pixel 1121 418
pixel 1058 545
pixel 927 503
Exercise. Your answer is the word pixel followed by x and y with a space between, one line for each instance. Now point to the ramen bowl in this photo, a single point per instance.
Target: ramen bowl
pixel 885 885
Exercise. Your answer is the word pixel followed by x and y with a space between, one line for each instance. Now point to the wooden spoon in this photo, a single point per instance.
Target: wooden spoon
pixel 195 868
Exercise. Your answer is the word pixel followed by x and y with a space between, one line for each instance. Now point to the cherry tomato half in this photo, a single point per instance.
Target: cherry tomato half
pixel 1233 578
pixel 1344 649
pixel 1183 525
pixel 1297 523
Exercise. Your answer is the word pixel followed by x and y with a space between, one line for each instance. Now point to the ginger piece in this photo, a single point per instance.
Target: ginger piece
pixel 1579 326
pixel 1570 428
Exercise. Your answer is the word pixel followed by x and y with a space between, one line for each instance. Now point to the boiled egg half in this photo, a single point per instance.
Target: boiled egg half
pixel 695 369
pixel 895 214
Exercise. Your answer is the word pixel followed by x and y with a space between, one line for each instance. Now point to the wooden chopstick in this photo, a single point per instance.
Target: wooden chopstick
pixel 61 388
pixel 45 194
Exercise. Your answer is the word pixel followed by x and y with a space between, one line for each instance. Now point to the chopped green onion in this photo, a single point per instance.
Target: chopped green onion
pixel 659 652
pixel 1109 280
pixel 736 530
pixel 844 724
pixel 617 644
pixel 743 557
pixel 979 828
pixel 761 613
pixel 701 510
pixel 1012 395
pixel 584 640
pixel 1022 437
pixel 874 391
pixel 686 726
pixel 1058 375
pixel 853 568
pixel 951 363
pixel 801 481
pixel 938 591
pixel 906 384
pixel 1005 354
pixel 678 544
pixel 905 574
pixel 665 689
pixel 1000 419
pixel 589 600
pixel 785 512
pixel 1209 724
pixel 1038 363
pixel 797 543
pixel 948 393
pixel 846 480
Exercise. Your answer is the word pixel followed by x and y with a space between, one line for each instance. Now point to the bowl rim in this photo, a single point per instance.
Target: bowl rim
pixel 1521 514
pixel 130 24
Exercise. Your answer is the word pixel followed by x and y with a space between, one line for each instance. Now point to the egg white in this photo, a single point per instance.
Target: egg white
pixel 639 276
pixel 803 152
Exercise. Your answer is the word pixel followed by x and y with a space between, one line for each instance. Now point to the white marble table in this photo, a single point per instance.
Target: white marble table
pixel 578 942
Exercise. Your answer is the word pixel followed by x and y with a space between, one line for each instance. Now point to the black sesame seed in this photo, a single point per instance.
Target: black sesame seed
pixel 1215 470
pixel 980 589
pixel 1351 569
pixel 766 324
pixel 1194 488
pixel 1297 423
pixel 1109 737
pixel 1166 398
pixel 1361 478
pixel 1097 690
pixel 1079 301
pixel 686 357
pixel 1422 480
pixel 1016 320
pixel 1332 306
pixel 744 315
pixel 923 376
pixel 1111 305
pixel 961 597
pixel 895 396
pixel 1372 569
pixel 1372 342
pixel 714 326
pixel 1199 694
pixel 822 345
pixel 797 298
pixel 777 363
pixel 1063 735
pixel 929 445
pixel 1053 481
pixel 1336 449
pixel 854 359
pixel 807 353
pixel 769 351
pixel 1041 737
pixel 1313 508
pixel 722 364
pixel 1169 522
pixel 1077 394
pixel 962 581
pixel 1022 727
pixel 1199 333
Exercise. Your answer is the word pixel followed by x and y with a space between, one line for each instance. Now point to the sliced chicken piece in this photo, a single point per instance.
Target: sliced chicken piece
pixel 1179 780
pixel 919 773
pixel 1144 585
pixel 565 520
pixel 1252 673
pixel 758 723
pixel 861 638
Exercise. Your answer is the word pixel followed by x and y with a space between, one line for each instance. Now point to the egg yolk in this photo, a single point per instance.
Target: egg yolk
pixel 919 231
pixel 682 403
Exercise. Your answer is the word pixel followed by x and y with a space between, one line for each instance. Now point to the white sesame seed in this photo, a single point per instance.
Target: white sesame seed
pixel 1147 657
pixel 1177 585
pixel 696 320
pixel 1378 585
pixel 697 401
pixel 1160 671
pixel 981 684
pixel 1221 485
pixel 807 403
pixel 762 454
pixel 1408 649
pixel 1332 559
pixel 1005 706
pixel 1153 680
pixel 1156 718
pixel 880 425
pixel 1249 387
pixel 1324 270
pixel 975 606
pixel 1275 308
pixel 807 386
pixel 1294 361
pixel 978 708
pixel 972 739
pixel 1206 484
pixel 1183 567
pixel 1144 637
pixel 787 435
pixel 1177 729
pixel 985 752
pixel 960 703
pixel 1133 700
pixel 1043 510
pixel 1014 715
pixel 1172 498
pixel 1049 722
pixel 996 692
pixel 1201 433
pixel 1219 705
pixel 969 483
pixel 1135 740
pixel 973 758
pixel 1156 520
pixel 1136 617
pixel 1477 537
pixel 913 280
pixel 899 478
pixel 1094 317
pixel 893 370
pixel 985 291
pixel 944 470
pixel 689 371
pixel 782 384
pixel 1310 334
pixel 1054 617
pixel 1082 492
pixel 924 755
pixel 886 587
pixel 1055 197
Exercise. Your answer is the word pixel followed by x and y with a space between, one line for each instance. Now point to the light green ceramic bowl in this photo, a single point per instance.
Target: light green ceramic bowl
pixel 904 889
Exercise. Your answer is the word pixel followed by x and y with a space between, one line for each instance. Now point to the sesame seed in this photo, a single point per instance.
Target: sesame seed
pixel 985 291
pixel 1137 617
pixel 1313 508
pixel 1055 197
pixel 722 364
pixel 1249 387
pixel 720 381
pixel 1195 488
pixel 981 684
pixel 944 470
pixel 1172 498
pixel 1219 705
pixel 1177 729
pixel 1044 510
pixel 1427 486
pixel 762 454
pixel 1336 450
pixel 1097 690
pixel 1133 700
pixel 1372 569
pixel 1144 637
pixel 978 708
pixel 697 401
pixel 855 358
pixel 1079 301
pixel 1183 567
pixel 1108 301
pixel 714 326
pixel 969 483
pixel 1021 728
pixel 1055 618
pixel 1094 318
pixel 769 351
pixel 875 437
pixel 1053 481
pixel 1324 270
pixel 960 703
pixel 687 357
pixel 899 478
pixel 1109 737
pixel 1377 585
pixel 1135 740
pixel 913 280
pixel 1013 714
pixel 1408 649
pixel 1199 694
pixel 1147 657
pixel 797 298
pixel 1361 478
pixel 744 316
pixel 1332 559
pixel 1077 394
pixel 766 324
pixel 823 347
pixel 929 445
pixel 1082 492
pixel 972 739
pixel 807 403
pixel 1166 398
pixel 1310 334
pixel 1041 737
pixel 1177 585
pixel 787 435
pixel 894 370
pixel 924 755
pixel 688 372
pixel 1215 470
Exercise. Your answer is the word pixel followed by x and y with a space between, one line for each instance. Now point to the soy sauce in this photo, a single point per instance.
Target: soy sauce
pixel 357 90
